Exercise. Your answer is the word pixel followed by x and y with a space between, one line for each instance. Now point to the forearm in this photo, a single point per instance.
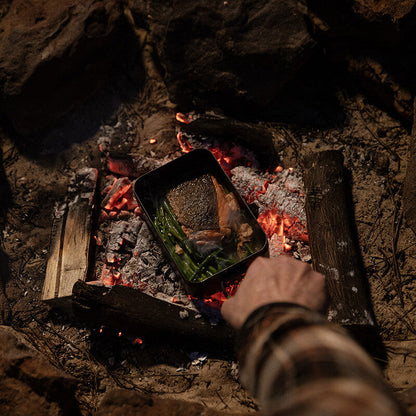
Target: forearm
pixel 297 363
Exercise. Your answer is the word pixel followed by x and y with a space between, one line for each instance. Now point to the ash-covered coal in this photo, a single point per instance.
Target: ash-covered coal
pixel 281 192
pixel 131 256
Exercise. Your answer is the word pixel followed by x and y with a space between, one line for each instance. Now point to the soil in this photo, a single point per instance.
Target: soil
pixel 374 145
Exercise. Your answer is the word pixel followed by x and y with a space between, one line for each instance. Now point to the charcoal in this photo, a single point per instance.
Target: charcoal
pixel 113 195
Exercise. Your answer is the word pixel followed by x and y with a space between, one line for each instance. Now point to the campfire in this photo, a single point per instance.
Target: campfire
pixel 127 251
pixel 128 257
pixel 311 124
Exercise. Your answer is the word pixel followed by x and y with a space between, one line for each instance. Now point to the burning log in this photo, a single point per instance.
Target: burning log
pixel 229 130
pixel 335 251
pixel 69 255
pixel 131 310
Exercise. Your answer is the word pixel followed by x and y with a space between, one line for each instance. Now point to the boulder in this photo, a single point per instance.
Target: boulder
pixel 387 10
pixel 29 385
pixel 229 54
pixel 385 22
pixel 53 55
pixel 375 41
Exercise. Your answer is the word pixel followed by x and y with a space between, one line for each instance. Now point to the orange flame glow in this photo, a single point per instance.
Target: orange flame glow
pixel 183 118
pixel 185 145
pixel 271 222
pixel 216 299
pixel 263 189
pixel 152 141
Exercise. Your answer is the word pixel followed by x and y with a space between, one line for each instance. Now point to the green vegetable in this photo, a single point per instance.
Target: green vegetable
pixel 194 266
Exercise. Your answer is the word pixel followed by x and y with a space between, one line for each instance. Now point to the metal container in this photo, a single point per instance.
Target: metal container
pixel 153 186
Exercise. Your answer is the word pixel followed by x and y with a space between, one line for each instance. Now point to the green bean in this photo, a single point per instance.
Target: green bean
pixel 202 265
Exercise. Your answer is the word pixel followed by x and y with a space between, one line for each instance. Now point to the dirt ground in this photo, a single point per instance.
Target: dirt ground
pixel 374 145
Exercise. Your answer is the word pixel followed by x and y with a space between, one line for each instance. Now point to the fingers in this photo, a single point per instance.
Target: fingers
pixel 281 279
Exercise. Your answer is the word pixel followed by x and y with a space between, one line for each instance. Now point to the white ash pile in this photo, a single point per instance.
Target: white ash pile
pixel 128 254
pixel 280 201
pixel 81 186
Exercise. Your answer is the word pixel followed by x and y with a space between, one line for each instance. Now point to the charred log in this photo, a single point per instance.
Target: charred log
pixel 335 251
pixel 255 137
pixel 135 312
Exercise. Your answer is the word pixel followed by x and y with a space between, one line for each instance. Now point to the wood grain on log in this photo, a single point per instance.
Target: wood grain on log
pixel 69 257
pixel 334 248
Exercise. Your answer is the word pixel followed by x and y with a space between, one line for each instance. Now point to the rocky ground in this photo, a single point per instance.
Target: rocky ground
pixel 52 363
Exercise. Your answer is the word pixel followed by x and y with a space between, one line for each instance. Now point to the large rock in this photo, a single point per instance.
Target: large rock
pixel 29 385
pixel 53 55
pixel 229 54
pixel 385 22
pixel 375 40
pixel 388 10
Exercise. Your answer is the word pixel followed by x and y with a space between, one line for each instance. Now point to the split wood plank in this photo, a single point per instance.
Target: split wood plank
pixel 69 258
pixel 332 236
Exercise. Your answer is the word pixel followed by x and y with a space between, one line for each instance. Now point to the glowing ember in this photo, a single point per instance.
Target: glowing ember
pixel 271 223
pixel 152 141
pixel 123 167
pixel 183 118
pixel 278 169
pixel 287 247
pixel 118 199
pixel 263 189
pixel 185 145
pixel 107 276
pixel 216 300
pixel 138 341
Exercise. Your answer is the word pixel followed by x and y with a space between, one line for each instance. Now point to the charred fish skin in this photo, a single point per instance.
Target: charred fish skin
pixel 194 203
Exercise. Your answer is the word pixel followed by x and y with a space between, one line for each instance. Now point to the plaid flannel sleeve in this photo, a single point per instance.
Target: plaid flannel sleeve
pixel 297 363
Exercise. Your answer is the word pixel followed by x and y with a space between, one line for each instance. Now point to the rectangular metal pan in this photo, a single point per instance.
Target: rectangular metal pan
pixel 153 186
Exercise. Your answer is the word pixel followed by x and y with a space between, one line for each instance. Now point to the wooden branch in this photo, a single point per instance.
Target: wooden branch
pixel 228 130
pixel 69 253
pixel 130 310
pixel 335 251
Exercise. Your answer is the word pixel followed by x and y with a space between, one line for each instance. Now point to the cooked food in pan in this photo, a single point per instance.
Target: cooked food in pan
pixel 203 227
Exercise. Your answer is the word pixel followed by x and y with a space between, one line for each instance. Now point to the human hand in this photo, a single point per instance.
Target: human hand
pixel 281 279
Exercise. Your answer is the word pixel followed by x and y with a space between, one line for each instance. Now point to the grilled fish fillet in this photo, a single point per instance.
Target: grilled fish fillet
pixel 194 203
